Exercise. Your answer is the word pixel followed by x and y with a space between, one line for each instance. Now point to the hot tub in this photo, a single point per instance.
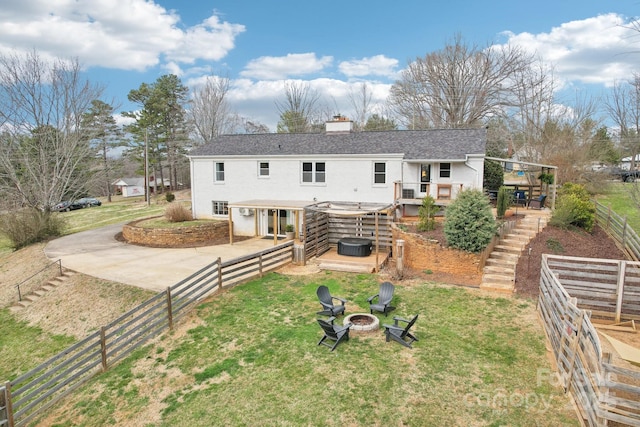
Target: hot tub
pixel 354 246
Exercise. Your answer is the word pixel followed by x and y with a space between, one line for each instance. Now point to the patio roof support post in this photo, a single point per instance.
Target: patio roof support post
pixel 377 241
pixel 275 227
pixel 230 227
pixel 255 222
pixel 296 220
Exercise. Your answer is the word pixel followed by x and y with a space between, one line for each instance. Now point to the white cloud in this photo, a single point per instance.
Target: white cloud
pixel 121 34
pixel 280 67
pixel 598 50
pixel 378 65
pixel 256 99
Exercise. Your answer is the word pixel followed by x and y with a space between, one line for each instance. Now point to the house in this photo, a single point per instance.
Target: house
pixel 261 182
pixel 130 187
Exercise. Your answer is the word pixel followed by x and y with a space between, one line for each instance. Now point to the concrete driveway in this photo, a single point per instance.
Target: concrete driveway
pixel 97 253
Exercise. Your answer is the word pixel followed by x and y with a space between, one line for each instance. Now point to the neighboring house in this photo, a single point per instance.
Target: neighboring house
pixel 625 163
pixel 255 179
pixel 130 187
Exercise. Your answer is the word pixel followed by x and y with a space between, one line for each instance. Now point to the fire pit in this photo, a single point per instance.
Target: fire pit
pixel 363 323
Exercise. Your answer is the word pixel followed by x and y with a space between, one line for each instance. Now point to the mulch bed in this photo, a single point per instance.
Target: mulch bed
pixel 554 240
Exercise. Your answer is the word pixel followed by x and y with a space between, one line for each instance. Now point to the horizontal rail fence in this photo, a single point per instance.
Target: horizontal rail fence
pixel 602 392
pixel 36 280
pixel 617 227
pixel 609 289
pixel 503 229
pixel 316 233
pixel 361 226
pixel 27 396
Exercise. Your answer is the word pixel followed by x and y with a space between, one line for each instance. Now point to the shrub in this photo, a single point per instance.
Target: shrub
pixel 469 224
pixel 28 226
pixel 504 201
pixel 427 213
pixel 493 175
pixel 170 197
pixel 574 208
pixel 177 213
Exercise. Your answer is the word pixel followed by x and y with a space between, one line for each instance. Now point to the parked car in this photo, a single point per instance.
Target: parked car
pixel 87 202
pixel 64 206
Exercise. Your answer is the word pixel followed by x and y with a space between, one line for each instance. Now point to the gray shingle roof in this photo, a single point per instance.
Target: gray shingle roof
pixel 449 144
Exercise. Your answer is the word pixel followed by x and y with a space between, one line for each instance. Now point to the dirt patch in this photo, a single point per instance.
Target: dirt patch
pixel 554 240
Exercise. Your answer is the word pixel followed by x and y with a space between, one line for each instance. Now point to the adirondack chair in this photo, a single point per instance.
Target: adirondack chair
pixel 334 333
pixel 326 300
pixel 538 203
pixel 384 297
pixel 401 334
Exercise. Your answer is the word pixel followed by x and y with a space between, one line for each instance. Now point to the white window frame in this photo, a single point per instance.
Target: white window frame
pixel 261 170
pixel 314 174
pixel 219 207
pixel 218 173
pixel 377 173
pixel 447 170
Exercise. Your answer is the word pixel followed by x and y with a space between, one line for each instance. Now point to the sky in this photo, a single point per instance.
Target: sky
pixel 334 47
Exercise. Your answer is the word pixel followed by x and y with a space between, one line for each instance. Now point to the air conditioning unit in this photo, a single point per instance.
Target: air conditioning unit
pixel 245 211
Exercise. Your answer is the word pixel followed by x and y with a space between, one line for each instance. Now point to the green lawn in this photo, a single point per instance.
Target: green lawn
pixel 249 358
pixel 618 196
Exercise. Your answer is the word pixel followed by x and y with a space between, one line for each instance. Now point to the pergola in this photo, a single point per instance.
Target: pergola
pixel 553 170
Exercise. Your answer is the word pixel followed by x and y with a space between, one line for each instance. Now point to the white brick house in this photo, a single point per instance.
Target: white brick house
pixel 257 178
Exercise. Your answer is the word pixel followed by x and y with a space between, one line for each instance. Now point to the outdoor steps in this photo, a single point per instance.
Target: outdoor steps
pixel 33 296
pixel 500 268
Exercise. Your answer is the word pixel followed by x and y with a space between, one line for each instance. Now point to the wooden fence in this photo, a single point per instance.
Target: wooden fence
pixel 617 227
pixel 27 396
pixel 602 392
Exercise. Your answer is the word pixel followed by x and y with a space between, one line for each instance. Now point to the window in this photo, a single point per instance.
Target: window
pixel 379 173
pixel 445 170
pixel 313 172
pixel 220 207
pixel 219 172
pixel 263 169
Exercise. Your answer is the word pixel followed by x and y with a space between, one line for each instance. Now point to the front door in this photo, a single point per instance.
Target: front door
pixel 425 178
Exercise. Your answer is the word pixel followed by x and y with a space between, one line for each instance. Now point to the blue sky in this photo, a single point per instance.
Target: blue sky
pixel 334 46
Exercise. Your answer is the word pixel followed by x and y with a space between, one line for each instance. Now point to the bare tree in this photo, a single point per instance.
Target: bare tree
pixel 459 86
pixel 45 153
pixel 210 112
pixel 298 110
pixel 361 103
pixel 623 107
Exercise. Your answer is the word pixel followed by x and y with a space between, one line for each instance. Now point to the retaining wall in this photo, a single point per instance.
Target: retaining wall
pixel 424 254
pixel 216 232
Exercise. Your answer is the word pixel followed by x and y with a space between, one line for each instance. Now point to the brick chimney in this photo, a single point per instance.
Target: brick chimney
pixel 339 124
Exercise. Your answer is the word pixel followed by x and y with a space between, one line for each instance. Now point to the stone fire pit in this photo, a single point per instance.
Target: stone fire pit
pixel 363 323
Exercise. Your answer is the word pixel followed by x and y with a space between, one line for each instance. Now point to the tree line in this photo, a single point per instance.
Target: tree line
pixel 58 133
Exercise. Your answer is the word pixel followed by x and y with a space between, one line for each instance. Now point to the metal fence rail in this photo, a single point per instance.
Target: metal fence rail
pixel 27 396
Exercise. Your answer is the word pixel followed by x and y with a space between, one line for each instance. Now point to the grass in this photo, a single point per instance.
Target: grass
pixel 618 197
pixel 250 358
pixel 120 209
pixel 21 345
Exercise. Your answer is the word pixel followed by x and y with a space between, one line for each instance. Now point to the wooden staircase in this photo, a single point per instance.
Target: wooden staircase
pixel 33 296
pixel 499 271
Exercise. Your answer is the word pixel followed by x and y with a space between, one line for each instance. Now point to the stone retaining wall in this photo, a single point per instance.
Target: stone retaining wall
pixel 424 254
pixel 216 232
